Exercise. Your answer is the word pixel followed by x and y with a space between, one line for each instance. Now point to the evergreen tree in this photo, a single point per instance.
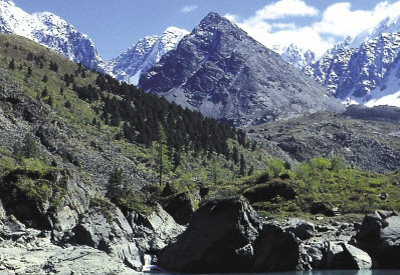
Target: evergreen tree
pixel 45 78
pixel 68 104
pixel 50 101
pixel 29 71
pixel 18 152
pixel 242 165
pixel 235 155
pixel 116 186
pixel 29 57
pixel 11 65
pixel 29 147
pixel 161 154
pixel 45 92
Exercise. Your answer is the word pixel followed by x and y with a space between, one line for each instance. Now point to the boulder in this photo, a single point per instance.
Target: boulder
pixel 379 235
pixel 181 207
pixel 345 256
pixel 115 237
pixel 219 238
pixel 39 256
pixel 275 250
pixel 301 228
pixel 154 231
pixel 361 258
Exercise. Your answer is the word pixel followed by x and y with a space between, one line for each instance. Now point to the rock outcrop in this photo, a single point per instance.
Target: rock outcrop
pixel 219 238
pixel 30 251
pixel 379 235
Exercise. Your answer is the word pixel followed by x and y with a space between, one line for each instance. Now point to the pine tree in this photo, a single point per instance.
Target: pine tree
pixel 29 71
pixel 161 154
pixel 235 155
pixel 242 166
pixel 116 185
pixel 45 92
pixel 50 101
pixel 45 78
pixel 30 148
pixel 12 64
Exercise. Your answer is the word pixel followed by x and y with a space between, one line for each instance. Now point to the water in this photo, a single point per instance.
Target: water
pixel 322 272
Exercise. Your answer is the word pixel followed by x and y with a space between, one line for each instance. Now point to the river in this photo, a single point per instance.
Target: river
pixel 321 272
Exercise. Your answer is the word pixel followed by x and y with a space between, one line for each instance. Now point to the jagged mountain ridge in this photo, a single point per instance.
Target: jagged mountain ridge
pixel 142 56
pixel 51 31
pixel 363 69
pixel 296 56
pixel 225 74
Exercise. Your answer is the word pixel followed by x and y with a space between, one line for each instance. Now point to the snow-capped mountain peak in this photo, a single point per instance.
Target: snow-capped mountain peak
pixel 390 24
pixel 49 30
pixel 142 56
pixel 299 58
pixel 364 69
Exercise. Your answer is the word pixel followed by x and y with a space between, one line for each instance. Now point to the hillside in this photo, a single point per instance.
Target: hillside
pixel 366 138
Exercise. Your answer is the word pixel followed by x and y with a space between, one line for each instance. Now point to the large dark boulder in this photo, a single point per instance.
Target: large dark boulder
pixel 219 238
pixel 276 250
pixel 181 207
pixel 380 237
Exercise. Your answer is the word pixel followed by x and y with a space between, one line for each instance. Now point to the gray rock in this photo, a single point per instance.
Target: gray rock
pixel 214 240
pixel 219 70
pixel 380 237
pixel 2 211
pixel 154 231
pixel 362 259
pixel 115 236
pixel 276 250
pixel 301 228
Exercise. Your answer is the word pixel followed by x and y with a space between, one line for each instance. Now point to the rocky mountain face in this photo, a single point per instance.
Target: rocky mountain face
pixel 296 56
pixel 50 31
pixel 364 69
pixel 225 74
pixel 142 56
pixel 366 138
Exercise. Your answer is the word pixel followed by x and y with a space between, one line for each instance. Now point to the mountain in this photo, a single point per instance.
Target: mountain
pixel 296 56
pixel 363 70
pixel 51 31
pixel 225 74
pixel 142 56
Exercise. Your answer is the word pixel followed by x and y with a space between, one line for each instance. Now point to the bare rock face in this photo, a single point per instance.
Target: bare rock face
pixel 380 237
pixel 225 74
pixel 276 250
pixel 219 238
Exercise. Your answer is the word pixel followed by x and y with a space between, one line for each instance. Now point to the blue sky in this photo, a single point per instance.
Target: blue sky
pixel 114 25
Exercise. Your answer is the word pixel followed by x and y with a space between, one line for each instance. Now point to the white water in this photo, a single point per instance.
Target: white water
pixel 148 267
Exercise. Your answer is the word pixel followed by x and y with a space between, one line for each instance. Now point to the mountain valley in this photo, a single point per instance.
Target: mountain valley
pixel 200 152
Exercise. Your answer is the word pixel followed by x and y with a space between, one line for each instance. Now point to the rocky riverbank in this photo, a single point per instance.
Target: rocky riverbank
pixel 222 236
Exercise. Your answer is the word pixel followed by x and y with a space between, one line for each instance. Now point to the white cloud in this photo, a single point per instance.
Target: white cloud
pixel 340 20
pixel 283 26
pixel 232 17
pixel 187 9
pixel 336 22
pixel 285 8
